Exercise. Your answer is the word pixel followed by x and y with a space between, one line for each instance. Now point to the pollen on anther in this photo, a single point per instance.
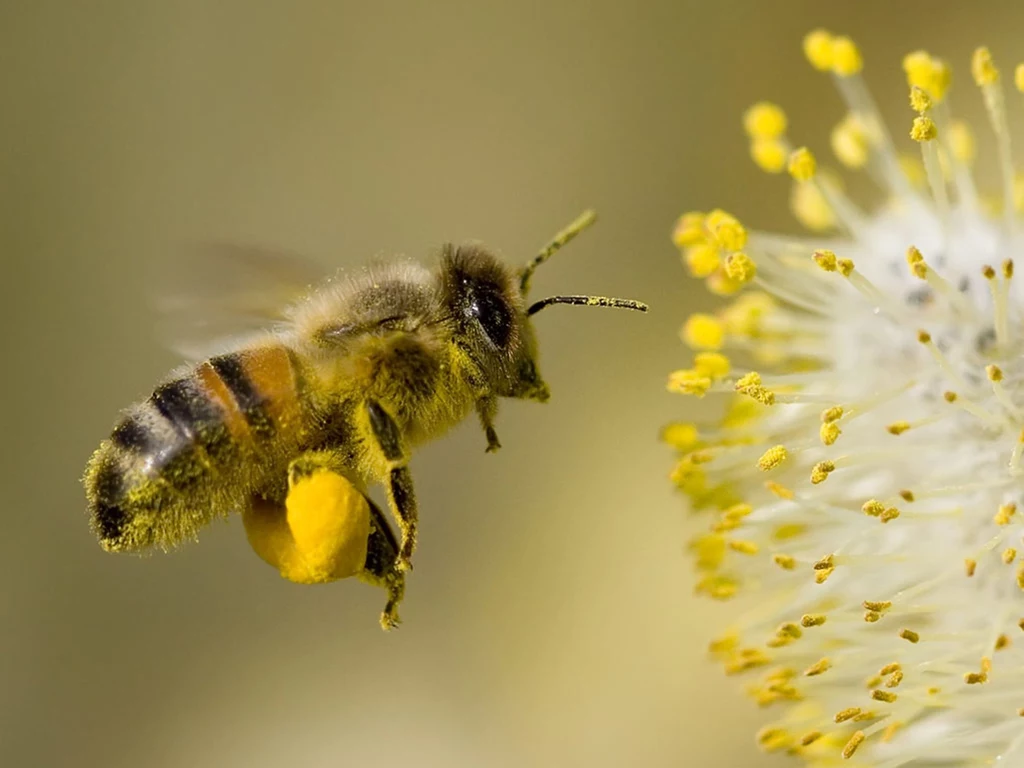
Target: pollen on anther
pixel 898 427
pixel 846 714
pixel 851 746
pixel 786 562
pixel 886 696
pixel 812 620
pixel 910 635
pixel 819 667
pixel 802 164
pixel 983 69
pixel 970 566
pixel 923 129
pixel 772 458
pixel 920 101
pixel 821 471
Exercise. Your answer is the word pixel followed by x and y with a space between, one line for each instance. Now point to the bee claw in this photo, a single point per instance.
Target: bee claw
pixel 403 564
pixel 389 621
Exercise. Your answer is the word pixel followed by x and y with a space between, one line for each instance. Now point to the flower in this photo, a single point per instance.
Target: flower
pixel 863 482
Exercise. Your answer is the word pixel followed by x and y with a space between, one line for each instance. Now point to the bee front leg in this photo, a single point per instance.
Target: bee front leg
pixel 400 490
pixel 487 409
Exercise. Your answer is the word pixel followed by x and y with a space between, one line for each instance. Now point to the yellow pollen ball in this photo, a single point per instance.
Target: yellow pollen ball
pixel 687 382
pixel 726 230
pixel 818 49
pixel 769 154
pixel 983 69
pixel 829 433
pixel 920 101
pixel 898 427
pixel 702 259
pixel 703 332
pixel 849 143
pixel 772 458
pixel 826 260
pixel 846 58
pixel 923 129
pixel 810 208
pixel 845 267
pixel 821 471
pixel 711 364
pixel 680 435
pixel 740 267
pixel 802 164
pixel 764 120
pixel 689 229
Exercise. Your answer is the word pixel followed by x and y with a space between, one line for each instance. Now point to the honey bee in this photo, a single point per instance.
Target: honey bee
pixel 292 427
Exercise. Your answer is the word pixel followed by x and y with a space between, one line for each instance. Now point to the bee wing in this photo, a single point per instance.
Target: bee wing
pixel 216 292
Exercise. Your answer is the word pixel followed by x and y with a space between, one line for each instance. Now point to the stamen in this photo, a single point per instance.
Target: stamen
pixel 986 75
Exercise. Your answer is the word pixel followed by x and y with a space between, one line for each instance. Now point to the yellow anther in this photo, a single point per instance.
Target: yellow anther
pixel 1009 555
pixel 1002 642
pixel 914 256
pixel 961 142
pixel 988 272
pixel 740 267
pixel 970 566
pixel 743 547
pixel 764 120
pixel 810 207
pixel 702 259
pixel 986 664
pixel 829 433
pixel 785 562
pixel 828 562
pixel 688 382
pixel 949 396
pixel 772 458
pixel 850 142
pixel 807 739
pixel 923 129
pixel 907 496
pixel 924 337
pixel 689 229
pixel 1008 269
pixel 821 471
pixel 873 507
pixel 779 490
pixel 832 414
pixel 1018 77
pixel 898 427
pixel 818 49
pixel 871 617
pixel 846 714
pixel 894 679
pixel 851 746
pixel 823 665
pixel 976 678
pixel 983 69
pixel 826 260
pixel 846 58
pixel 769 155
pixel 879 606
pixel 789 629
pixel 703 332
pixel 788 531
pixel 920 101
pixel 910 635
pixel 681 436
pixel 845 266
pixel 1005 514
pixel 802 164
pixel 932 75
pixel 726 230
pixel 994 372
pixel 820 577
pixel 812 620
pixel 711 364
pixel 720 284
pixel 773 739
pixel 1020 576
pixel 891 513
pixel 885 696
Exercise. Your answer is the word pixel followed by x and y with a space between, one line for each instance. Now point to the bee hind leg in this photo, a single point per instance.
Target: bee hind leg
pixel 381 567
pixel 399 485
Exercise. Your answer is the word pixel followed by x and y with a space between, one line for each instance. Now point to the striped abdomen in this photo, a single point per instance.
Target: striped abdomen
pixel 201 445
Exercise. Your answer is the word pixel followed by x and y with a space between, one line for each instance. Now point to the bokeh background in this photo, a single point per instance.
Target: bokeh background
pixel 550 620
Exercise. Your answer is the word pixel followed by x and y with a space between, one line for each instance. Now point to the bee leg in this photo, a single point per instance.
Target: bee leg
pixel 381 567
pixel 400 490
pixel 487 409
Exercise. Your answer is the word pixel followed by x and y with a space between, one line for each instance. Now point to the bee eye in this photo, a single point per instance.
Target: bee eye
pixel 493 314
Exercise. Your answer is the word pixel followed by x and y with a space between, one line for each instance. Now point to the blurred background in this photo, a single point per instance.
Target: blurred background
pixel 550 620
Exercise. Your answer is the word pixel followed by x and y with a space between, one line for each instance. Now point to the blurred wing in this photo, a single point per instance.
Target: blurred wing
pixel 215 292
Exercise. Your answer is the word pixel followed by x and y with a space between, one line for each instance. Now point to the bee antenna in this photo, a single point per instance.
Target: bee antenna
pixel 587 301
pixel 583 221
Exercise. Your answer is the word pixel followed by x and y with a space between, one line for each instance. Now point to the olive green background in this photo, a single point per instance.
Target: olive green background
pixel 550 620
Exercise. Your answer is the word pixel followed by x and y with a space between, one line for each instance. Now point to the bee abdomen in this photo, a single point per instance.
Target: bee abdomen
pixel 185 454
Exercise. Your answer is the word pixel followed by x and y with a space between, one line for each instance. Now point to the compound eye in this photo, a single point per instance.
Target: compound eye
pixel 493 314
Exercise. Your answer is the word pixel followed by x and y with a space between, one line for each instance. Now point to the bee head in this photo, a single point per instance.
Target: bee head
pixel 484 299
pixel 487 301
